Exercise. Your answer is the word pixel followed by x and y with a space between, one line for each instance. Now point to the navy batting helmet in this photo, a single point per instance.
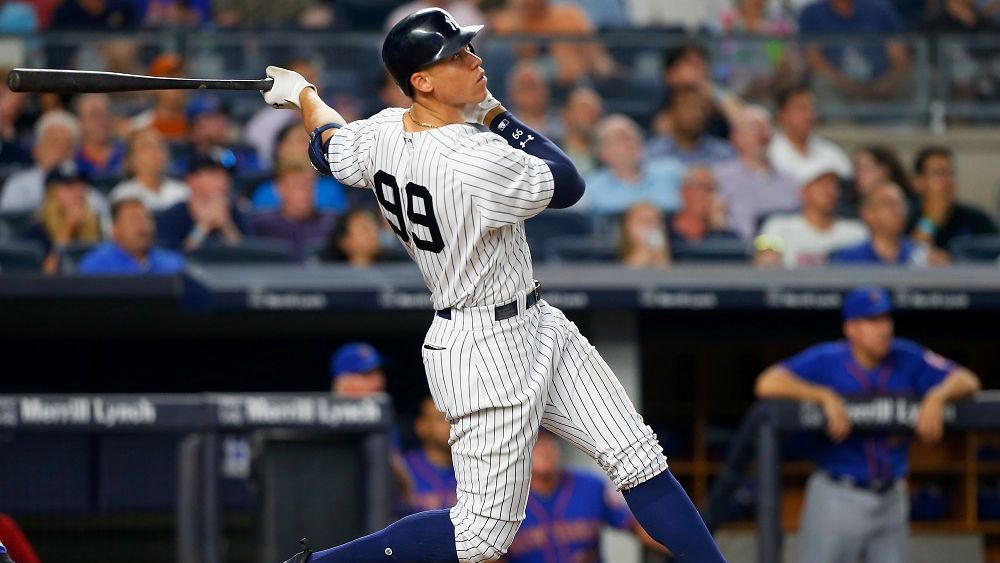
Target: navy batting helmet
pixel 421 39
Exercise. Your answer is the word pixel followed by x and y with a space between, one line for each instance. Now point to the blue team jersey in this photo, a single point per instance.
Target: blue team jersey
pixel 433 486
pixel 565 527
pixel 909 370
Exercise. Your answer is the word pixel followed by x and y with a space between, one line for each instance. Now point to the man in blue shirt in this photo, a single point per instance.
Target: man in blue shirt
pixel 689 140
pixel 567 509
pixel 865 67
pixel 884 212
pixel 130 250
pixel 430 467
pixel 856 503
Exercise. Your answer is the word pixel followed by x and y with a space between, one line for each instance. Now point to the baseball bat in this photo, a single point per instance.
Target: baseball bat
pixel 84 81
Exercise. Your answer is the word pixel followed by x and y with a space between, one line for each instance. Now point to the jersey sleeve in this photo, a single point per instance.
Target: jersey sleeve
pixel 616 513
pixel 929 368
pixel 811 364
pixel 506 185
pixel 348 151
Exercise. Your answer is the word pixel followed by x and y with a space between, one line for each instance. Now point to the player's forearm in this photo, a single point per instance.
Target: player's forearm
pixel 567 182
pixel 316 113
pixel 959 384
pixel 778 383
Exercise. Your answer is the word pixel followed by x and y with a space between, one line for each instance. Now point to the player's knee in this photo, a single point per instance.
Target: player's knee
pixel 479 539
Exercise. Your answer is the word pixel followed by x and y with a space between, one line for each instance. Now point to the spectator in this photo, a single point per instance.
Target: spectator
pixel 130 250
pixel 628 176
pixel 796 146
pixel 210 215
pixel 692 15
pixel 354 239
pixel 702 215
pixel 686 66
pixel 528 95
pixel 755 68
pixel 958 16
pixel 584 108
pixel 174 13
pixel 806 238
pixel 876 69
pixel 100 153
pixel 168 115
pixel 17 545
pixel 18 18
pixel 146 159
pixel 875 165
pixel 856 503
pixel 430 468
pixel 100 15
pixel 13 156
pixel 967 61
pixel 292 147
pixel 66 217
pixel 643 241
pixel 572 60
pixel 57 135
pixel 210 132
pixel 749 185
pixel 297 221
pixel 940 219
pixel 884 213
pixel 605 14
pixel 688 139
pixel 269 14
pixel 564 499
pixel 264 129
pixel 464 11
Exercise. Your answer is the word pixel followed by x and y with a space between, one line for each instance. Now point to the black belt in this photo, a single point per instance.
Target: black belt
pixel 878 486
pixel 507 311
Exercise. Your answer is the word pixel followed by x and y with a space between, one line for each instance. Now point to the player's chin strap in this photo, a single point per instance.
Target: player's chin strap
pixel 318 150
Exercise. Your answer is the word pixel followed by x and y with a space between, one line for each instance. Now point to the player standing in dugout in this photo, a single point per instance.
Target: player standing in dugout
pixel 499 360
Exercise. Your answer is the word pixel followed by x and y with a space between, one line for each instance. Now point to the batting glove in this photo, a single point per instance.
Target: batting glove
pixel 476 113
pixel 288 84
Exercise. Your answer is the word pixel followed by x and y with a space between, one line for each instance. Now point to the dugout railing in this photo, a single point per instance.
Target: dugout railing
pixel 758 443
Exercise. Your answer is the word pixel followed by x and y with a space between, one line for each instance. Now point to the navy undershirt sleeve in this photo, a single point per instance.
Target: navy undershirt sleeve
pixel 569 185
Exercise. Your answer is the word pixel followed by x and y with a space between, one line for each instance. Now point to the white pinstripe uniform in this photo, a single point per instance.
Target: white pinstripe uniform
pixel 457 199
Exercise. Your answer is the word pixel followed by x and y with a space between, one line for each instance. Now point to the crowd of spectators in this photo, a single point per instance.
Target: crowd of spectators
pixel 131 183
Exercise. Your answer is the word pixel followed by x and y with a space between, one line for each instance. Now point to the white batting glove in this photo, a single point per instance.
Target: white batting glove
pixel 476 113
pixel 288 84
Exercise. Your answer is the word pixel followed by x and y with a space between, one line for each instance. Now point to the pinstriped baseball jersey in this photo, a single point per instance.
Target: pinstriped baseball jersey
pixel 455 197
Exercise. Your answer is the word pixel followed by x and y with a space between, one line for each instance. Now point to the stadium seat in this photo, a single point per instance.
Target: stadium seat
pixel 718 251
pixel 17 221
pixel 555 224
pixel 20 256
pixel 255 251
pixel 580 249
pixel 71 255
pixel 975 248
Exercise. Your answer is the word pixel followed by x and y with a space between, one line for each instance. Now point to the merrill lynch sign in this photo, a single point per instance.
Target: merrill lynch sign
pixel 296 411
pixel 72 411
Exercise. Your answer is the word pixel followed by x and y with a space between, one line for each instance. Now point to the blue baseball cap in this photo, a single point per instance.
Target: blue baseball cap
pixel 866 302
pixel 356 357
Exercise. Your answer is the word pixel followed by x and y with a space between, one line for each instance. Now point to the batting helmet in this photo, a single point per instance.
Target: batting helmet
pixel 421 39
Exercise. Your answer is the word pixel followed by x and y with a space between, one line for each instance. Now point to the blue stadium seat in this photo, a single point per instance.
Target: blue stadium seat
pixel 975 248
pixel 20 256
pixel 254 251
pixel 718 251
pixel 581 249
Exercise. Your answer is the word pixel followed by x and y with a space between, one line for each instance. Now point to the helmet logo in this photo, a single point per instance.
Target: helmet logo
pixel 451 22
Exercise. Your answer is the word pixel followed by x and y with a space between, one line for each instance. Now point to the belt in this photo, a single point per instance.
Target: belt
pixel 502 312
pixel 878 486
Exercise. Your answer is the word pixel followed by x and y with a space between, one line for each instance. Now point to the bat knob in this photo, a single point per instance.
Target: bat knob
pixel 14 80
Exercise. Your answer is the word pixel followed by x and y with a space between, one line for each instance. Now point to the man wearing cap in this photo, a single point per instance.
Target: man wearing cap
pixel 356 371
pixel 856 505
pixel 209 131
pixel 210 215
pixel 805 238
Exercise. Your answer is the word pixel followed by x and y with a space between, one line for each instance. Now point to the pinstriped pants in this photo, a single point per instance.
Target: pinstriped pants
pixel 496 382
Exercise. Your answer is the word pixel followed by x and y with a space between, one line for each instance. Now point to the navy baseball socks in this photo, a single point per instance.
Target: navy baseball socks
pixel 666 513
pixel 424 537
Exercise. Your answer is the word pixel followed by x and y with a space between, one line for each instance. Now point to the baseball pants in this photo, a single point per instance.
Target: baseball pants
pixel 844 524
pixel 496 382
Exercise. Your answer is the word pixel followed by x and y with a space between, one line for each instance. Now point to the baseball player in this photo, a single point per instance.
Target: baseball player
pixel 430 466
pixel 499 360
pixel 4 556
pixel 856 504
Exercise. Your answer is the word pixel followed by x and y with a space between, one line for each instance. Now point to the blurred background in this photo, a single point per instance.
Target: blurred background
pixel 747 162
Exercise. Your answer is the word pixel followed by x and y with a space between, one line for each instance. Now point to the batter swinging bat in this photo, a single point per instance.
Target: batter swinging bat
pixel 84 81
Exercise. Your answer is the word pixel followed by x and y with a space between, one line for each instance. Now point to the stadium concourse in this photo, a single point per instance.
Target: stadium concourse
pixel 747 164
